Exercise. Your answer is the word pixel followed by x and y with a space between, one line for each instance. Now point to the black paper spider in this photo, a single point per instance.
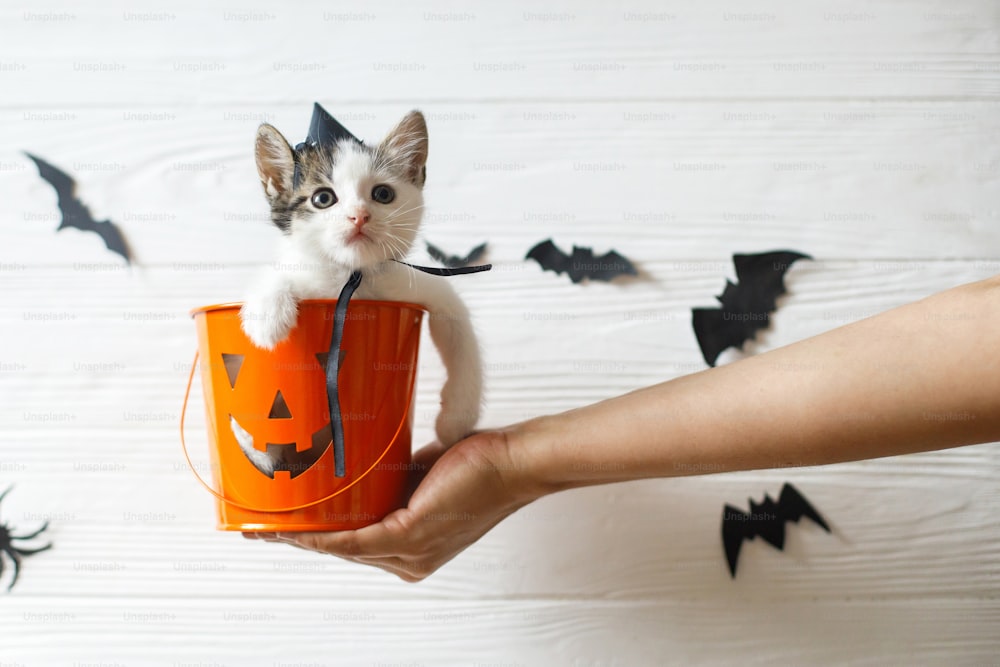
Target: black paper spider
pixel 15 553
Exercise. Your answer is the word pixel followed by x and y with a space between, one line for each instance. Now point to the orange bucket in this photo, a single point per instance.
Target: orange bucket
pixel 269 425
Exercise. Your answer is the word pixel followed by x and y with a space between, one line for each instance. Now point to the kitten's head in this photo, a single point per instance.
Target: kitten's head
pixel 356 204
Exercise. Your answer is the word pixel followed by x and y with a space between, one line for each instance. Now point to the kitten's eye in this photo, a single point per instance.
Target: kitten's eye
pixel 324 198
pixel 383 194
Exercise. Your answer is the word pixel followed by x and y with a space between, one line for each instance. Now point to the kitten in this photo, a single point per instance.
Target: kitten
pixel 357 207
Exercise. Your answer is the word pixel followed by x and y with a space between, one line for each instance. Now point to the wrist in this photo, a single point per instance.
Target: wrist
pixel 580 447
pixel 528 450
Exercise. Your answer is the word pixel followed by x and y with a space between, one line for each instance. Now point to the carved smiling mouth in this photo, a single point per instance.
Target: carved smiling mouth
pixel 282 457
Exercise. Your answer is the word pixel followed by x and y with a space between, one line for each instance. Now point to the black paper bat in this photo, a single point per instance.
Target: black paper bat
pixel 746 306
pixel 74 212
pixel 766 520
pixel 582 263
pixel 455 261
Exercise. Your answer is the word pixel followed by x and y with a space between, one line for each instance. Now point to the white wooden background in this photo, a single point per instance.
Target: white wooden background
pixel 864 132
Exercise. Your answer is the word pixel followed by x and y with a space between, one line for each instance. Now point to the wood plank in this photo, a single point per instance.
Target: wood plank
pixel 915 180
pixel 211 53
pixel 507 632
pixel 146 530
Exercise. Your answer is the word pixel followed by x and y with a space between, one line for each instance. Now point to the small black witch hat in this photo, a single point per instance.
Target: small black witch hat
pixel 324 130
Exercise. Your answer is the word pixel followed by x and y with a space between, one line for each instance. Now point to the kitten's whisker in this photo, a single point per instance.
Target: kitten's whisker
pixel 396 211
pixel 398 208
pixel 397 247
pixel 386 248
pixel 386 240
pixel 400 228
pixel 396 253
pixel 400 249
pixel 393 217
pixel 395 214
pixel 396 244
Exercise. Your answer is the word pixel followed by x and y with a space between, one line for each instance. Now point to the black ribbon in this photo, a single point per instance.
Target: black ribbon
pixel 333 368
pixel 457 271
pixel 333 358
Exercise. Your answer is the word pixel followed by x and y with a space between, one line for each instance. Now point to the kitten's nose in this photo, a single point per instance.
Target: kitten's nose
pixel 360 217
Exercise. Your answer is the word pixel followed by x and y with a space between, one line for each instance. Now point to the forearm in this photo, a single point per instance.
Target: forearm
pixel 919 377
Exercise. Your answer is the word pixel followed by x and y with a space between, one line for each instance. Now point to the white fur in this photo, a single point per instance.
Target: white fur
pixel 453 335
pixel 316 259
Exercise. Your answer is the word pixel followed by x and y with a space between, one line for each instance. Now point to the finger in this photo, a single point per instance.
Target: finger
pixel 392 565
pixel 427 455
pixel 375 540
pixel 423 459
pixel 270 537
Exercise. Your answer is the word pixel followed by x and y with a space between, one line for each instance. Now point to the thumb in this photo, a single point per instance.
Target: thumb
pixel 423 459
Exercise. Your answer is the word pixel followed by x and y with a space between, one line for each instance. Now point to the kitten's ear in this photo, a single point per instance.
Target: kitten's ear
pixel 407 144
pixel 275 161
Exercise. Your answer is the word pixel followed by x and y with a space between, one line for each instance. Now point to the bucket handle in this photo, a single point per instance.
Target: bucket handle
pixel 219 496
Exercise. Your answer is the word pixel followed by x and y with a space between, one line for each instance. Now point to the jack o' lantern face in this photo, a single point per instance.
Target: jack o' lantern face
pixel 284 441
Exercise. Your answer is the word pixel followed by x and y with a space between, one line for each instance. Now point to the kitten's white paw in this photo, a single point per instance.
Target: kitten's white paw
pixel 457 419
pixel 266 322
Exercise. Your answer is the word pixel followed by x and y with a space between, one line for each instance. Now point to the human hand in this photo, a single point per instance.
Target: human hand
pixel 461 493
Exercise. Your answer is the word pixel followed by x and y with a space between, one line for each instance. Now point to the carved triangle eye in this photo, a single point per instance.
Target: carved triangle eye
pixel 279 409
pixel 233 363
